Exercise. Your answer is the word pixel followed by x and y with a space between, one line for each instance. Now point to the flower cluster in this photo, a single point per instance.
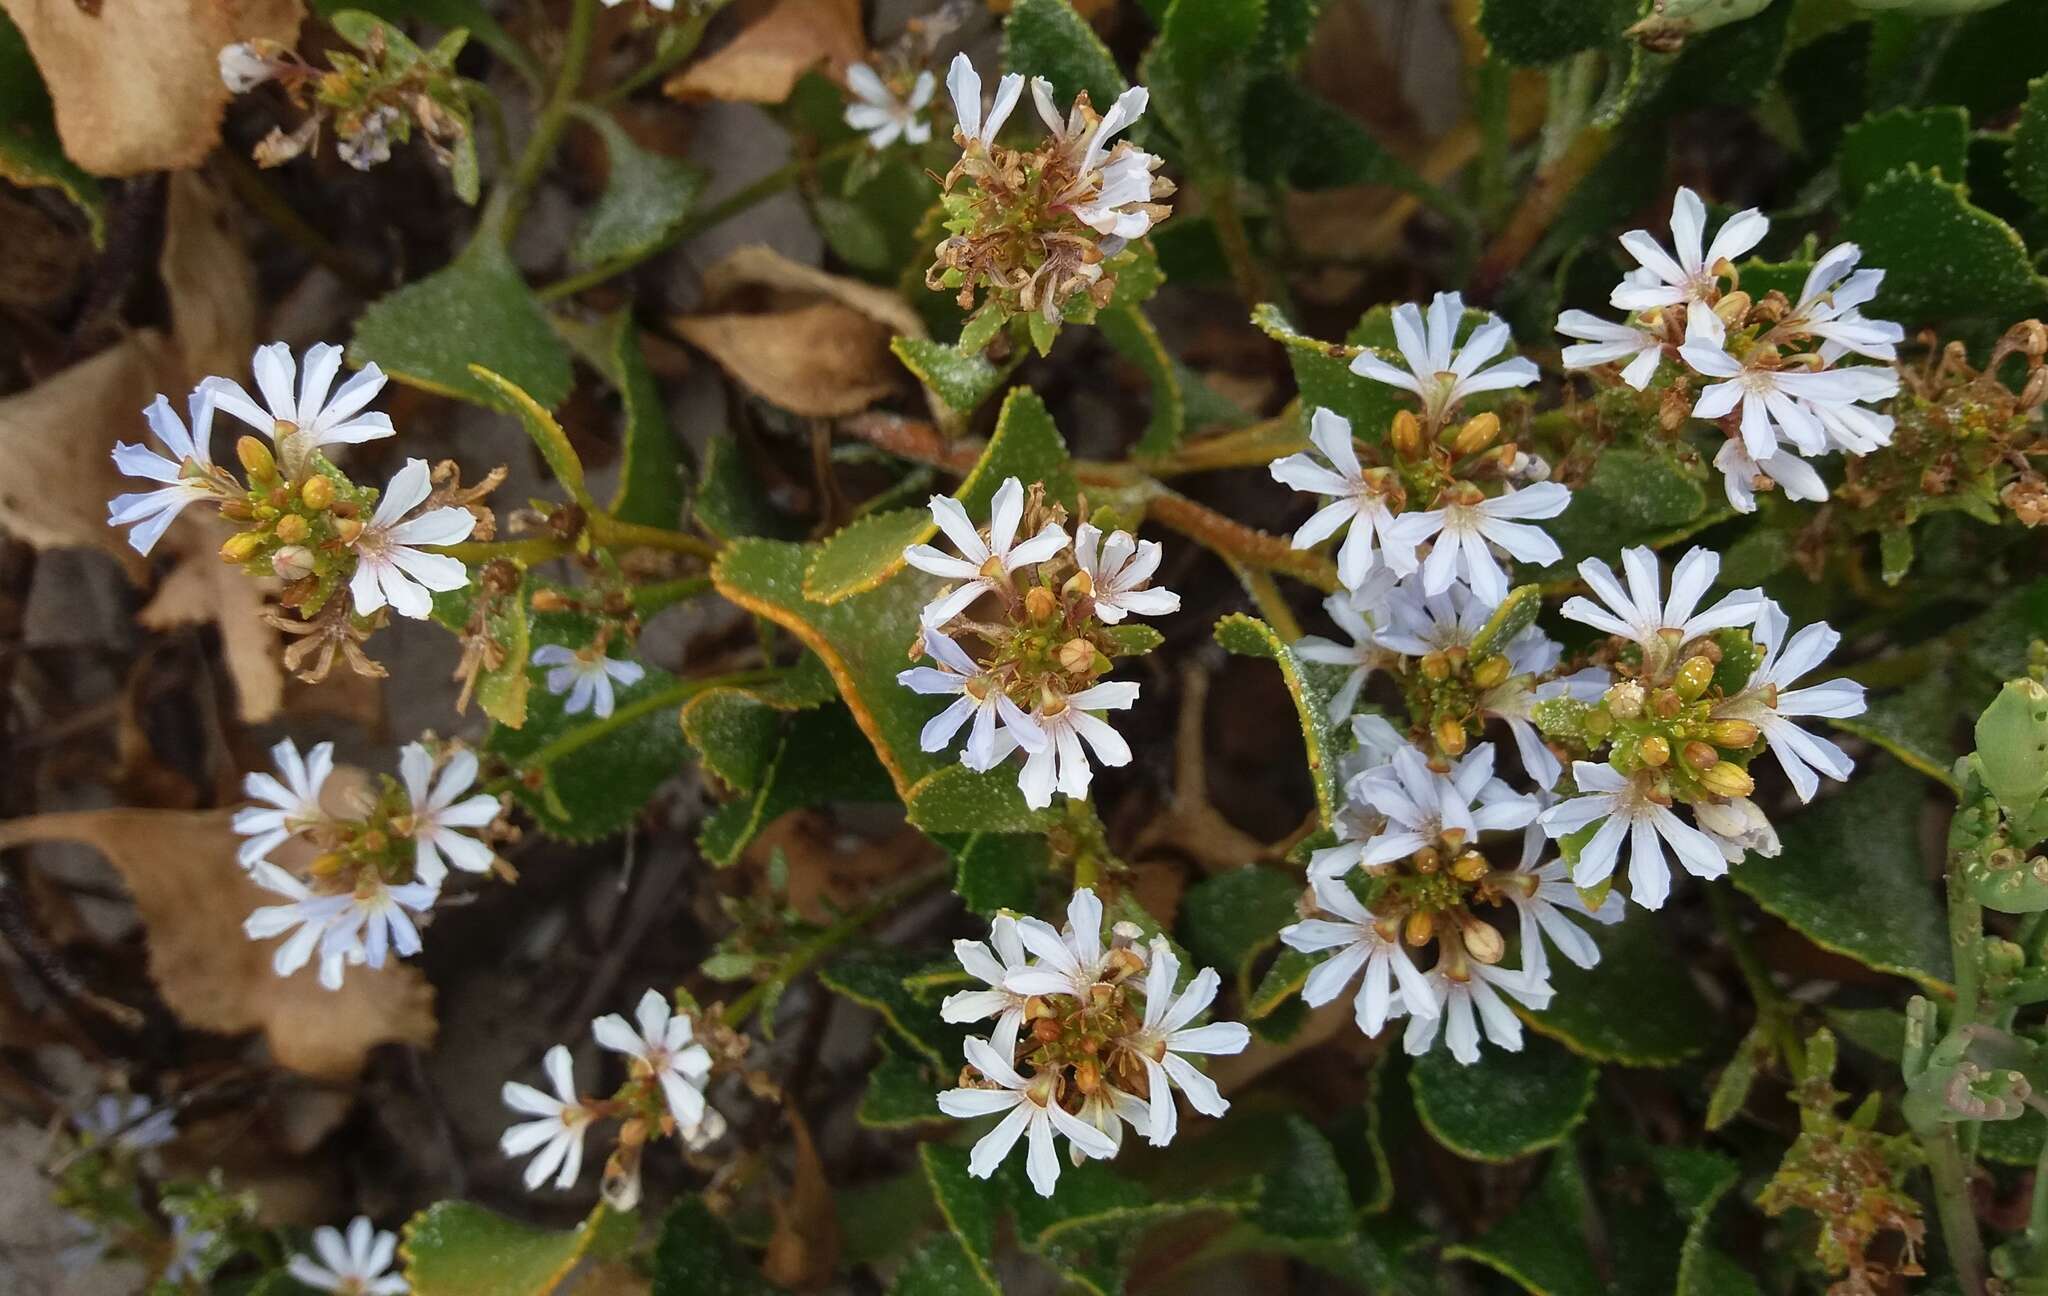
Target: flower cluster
pixel 1036 230
pixel 1023 637
pixel 344 552
pixel 1088 1038
pixel 662 1097
pixel 373 866
pixel 1769 371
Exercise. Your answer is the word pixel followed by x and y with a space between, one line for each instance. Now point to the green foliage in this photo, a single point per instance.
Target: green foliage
pixel 1932 138
pixel 647 197
pixel 456 1249
pixel 1251 637
pixel 1229 920
pixel 994 871
pixel 1047 38
pixel 2029 157
pixel 900 1088
pixel 1942 255
pixel 652 477
pixel 476 313
pixel 30 154
pixel 1127 329
pixel 1505 1105
pixel 1600 1011
pixel 697 1257
pixel 963 381
pixel 1537 32
pixel 820 757
pixel 1633 497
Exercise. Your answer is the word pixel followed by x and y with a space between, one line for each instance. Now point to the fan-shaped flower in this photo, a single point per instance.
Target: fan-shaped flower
pixel 1355 933
pixel 374 919
pixel 1463 528
pixel 437 816
pixel 360 1265
pixel 311 415
pixel 1072 961
pixel 1031 1111
pixel 1440 372
pixel 390 567
pixel 586 676
pixel 1062 763
pixel 293 801
pixel 983 565
pixel 1828 308
pixel 1165 1034
pixel 1741 475
pixel 1769 701
pixel 1477 999
pixel 1357 500
pixel 1358 615
pixel 877 111
pixel 1625 809
pixel 993 968
pixel 1693 275
pixel 1543 896
pixel 1606 342
pixel 1120 574
pixel 995 716
pixel 1641 613
pixel 555 1135
pixel 306 916
pixel 129 1122
pixel 1813 408
pixel 664 1047
pixel 963 83
pixel 187 473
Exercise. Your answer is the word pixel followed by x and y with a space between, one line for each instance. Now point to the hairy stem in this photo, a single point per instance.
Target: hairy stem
pixel 554 117
pixel 810 952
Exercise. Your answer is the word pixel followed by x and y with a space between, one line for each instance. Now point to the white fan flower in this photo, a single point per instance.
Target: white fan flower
pixel 1062 763
pixel 312 416
pixel 1424 808
pixel 1769 701
pixel 885 118
pixel 1463 529
pixel 390 567
pixel 1112 191
pixel 1071 961
pixel 664 1046
pixel 374 919
pixel 1543 896
pixel 1120 573
pixel 1032 1112
pixel 1815 409
pixel 1624 809
pixel 1640 613
pixel 1165 1034
pixel 129 1122
pixel 963 83
pixel 187 473
pixel 438 816
pixel 992 967
pixel 1358 614
pixel 1475 1000
pixel 1692 276
pixel 1355 501
pixel 586 676
pixel 1606 342
pixel 1738 826
pixel 995 716
pixel 983 565
pixel 306 916
pixel 293 800
pixel 555 1135
pixel 1355 933
pixel 1829 308
pixel 359 1265
pixel 1440 372
pixel 1741 475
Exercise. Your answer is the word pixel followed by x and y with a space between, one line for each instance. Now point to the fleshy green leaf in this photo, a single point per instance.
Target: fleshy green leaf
pixel 956 799
pixel 1599 1011
pixel 972 1208
pixel 939 1267
pixel 997 870
pixel 1202 36
pixel 1133 336
pixel 476 312
pixel 1917 724
pixel 865 552
pixel 1047 38
pixel 501 690
pixel 962 381
pixel 821 758
pixel 2028 162
pixel 902 1090
pixel 697 1257
pixel 1633 496
pixel 738 731
pixel 1542 1246
pixel 1322 374
pixel 1505 1105
pixel 1309 143
pixel 1229 920
pixel 878 980
pixel 1537 32
pixel 651 477
pixel 1696 1180
pixel 1850 878
pixel 1251 637
pixel 1305 1195
pixel 30 153
pixel 456 1249
pixel 1942 255
pixel 1935 138
pixel 548 436
pixel 646 199
pixel 731 502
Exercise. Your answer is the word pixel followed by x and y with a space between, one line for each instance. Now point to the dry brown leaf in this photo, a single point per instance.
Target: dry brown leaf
pixel 203 588
pixel 809 342
pixel 803 1250
pixel 180 868
pixel 136 83
pixel 208 280
pixel 763 62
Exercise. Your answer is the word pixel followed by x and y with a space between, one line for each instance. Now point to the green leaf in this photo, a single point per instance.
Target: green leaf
pixel 1916 724
pixel 697 1257
pixel 1127 329
pixel 939 1267
pixel 1935 138
pixel 1092 1228
pixel 547 434
pixel 1204 111
pixel 30 153
pixel 651 476
pixel 2027 164
pixel 1850 878
pixel 1516 613
pixel 972 1208
pixel 738 731
pixel 2012 746
pixel 1696 1180
pixel 994 871
pixel 646 199
pixel 956 799
pixel 1026 445
pixel 1229 920
pixel 1322 374
pixel 453 1248
pixel 476 312
pixel 1305 1194
pixel 1536 32
pixel 1505 1105
pixel 1133 640
pixel 878 980
pixel 1201 37
pixel 962 381
pixel 1309 143
pixel 821 758
pixel 731 502
pixel 1633 496
pixel 468 15
pixel 902 1091
pixel 1942 256
pixel 1598 1011
pixel 1047 38
pixel 1731 1088
pixel 1250 637
pixel 1542 1246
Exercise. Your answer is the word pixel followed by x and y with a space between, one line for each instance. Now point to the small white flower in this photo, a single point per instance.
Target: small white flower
pixel 1032 1112
pixel 1357 615
pixel 555 1136
pixel 1828 308
pixel 587 677
pixel 369 145
pixel 1464 530
pixel 1119 572
pixel 1355 934
pixel 1693 275
pixel 982 566
pixel 1486 989
pixel 132 1123
pixel 991 967
pixel 1072 960
pixel 243 68
pixel 1640 614
pixel 963 83
pixel 884 117
pixel 1109 1109
pixel 437 815
pixel 1740 475
pixel 390 568
pixel 312 416
pixel 359 1266
pixel 1418 623
pixel 1543 895
pixel 664 1046
pixel 1440 372
pixel 1769 701
pixel 187 472
pixel 1623 809
pixel 373 920
pixel 1813 408
pixel 191 1259
pixel 1606 342
pixel 1112 189
pixel 1164 1035
pixel 996 717
pixel 306 916
pixel 1062 764
pixel 294 801
pixel 1355 501
pixel 1422 806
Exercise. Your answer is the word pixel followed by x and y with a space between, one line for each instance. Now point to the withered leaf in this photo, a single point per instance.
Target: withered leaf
pixel 763 62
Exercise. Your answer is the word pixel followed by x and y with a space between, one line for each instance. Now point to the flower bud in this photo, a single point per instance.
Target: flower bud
pixel 1040 603
pixel 292 563
pixel 1491 671
pixel 1406 434
pixel 1699 755
pixel 1726 778
pixel 291 528
pixel 1077 656
pixel 1655 751
pixel 326 865
pixel 241 546
pixel 1079 585
pixel 255 457
pixel 1470 867
pixel 1665 703
pixel 1734 735
pixel 1087 1075
pixel 1477 434
pixel 1625 700
pixel 348 530
pixel 1693 678
pixel 1436 666
pixel 1425 861
pixel 1045 1029
pixel 1450 735
pixel 1420 929
pixel 318 492
pixel 1733 308
pixel 551 600
pixel 1483 943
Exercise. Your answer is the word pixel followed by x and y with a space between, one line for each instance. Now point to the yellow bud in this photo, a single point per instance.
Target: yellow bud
pixel 1040 603
pixel 291 528
pixel 1079 585
pixel 1425 861
pixel 1735 735
pixel 318 492
pixel 1087 1075
pixel 1077 656
pixel 549 600
pixel 1490 671
pixel 1470 867
pixel 1733 308
pixel 1727 779
pixel 1625 700
pixel 348 529
pixel 1483 943
pixel 255 457
pixel 1655 751
pixel 1665 703
pixel 241 546
pixel 326 865
pixel 1420 929
pixel 1693 678
pixel 1450 736
pixel 1477 434
pixel 1700 755
pixel 1436 666
pixel 1406 435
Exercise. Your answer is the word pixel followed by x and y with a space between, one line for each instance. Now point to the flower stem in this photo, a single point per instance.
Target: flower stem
pixel 1240 543
pixel 680 691
pixel 806 955
pixel 1773 1009
pixel 554 117
pixel 648 599
pixel 677 43
pixel 608 531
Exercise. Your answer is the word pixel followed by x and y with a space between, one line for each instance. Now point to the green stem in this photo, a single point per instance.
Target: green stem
pixel 1773 1009
pixel 806 955
pixel 1571 100
pixel 1236 241
pixel 608 531
pixel 680 691
pixel 1966 940
pixel 648 599
pixel 677 44
pixel 2037 1209
pixel 554 117
pixel 524 552
pixel 1952 1207
pixel 1492 108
